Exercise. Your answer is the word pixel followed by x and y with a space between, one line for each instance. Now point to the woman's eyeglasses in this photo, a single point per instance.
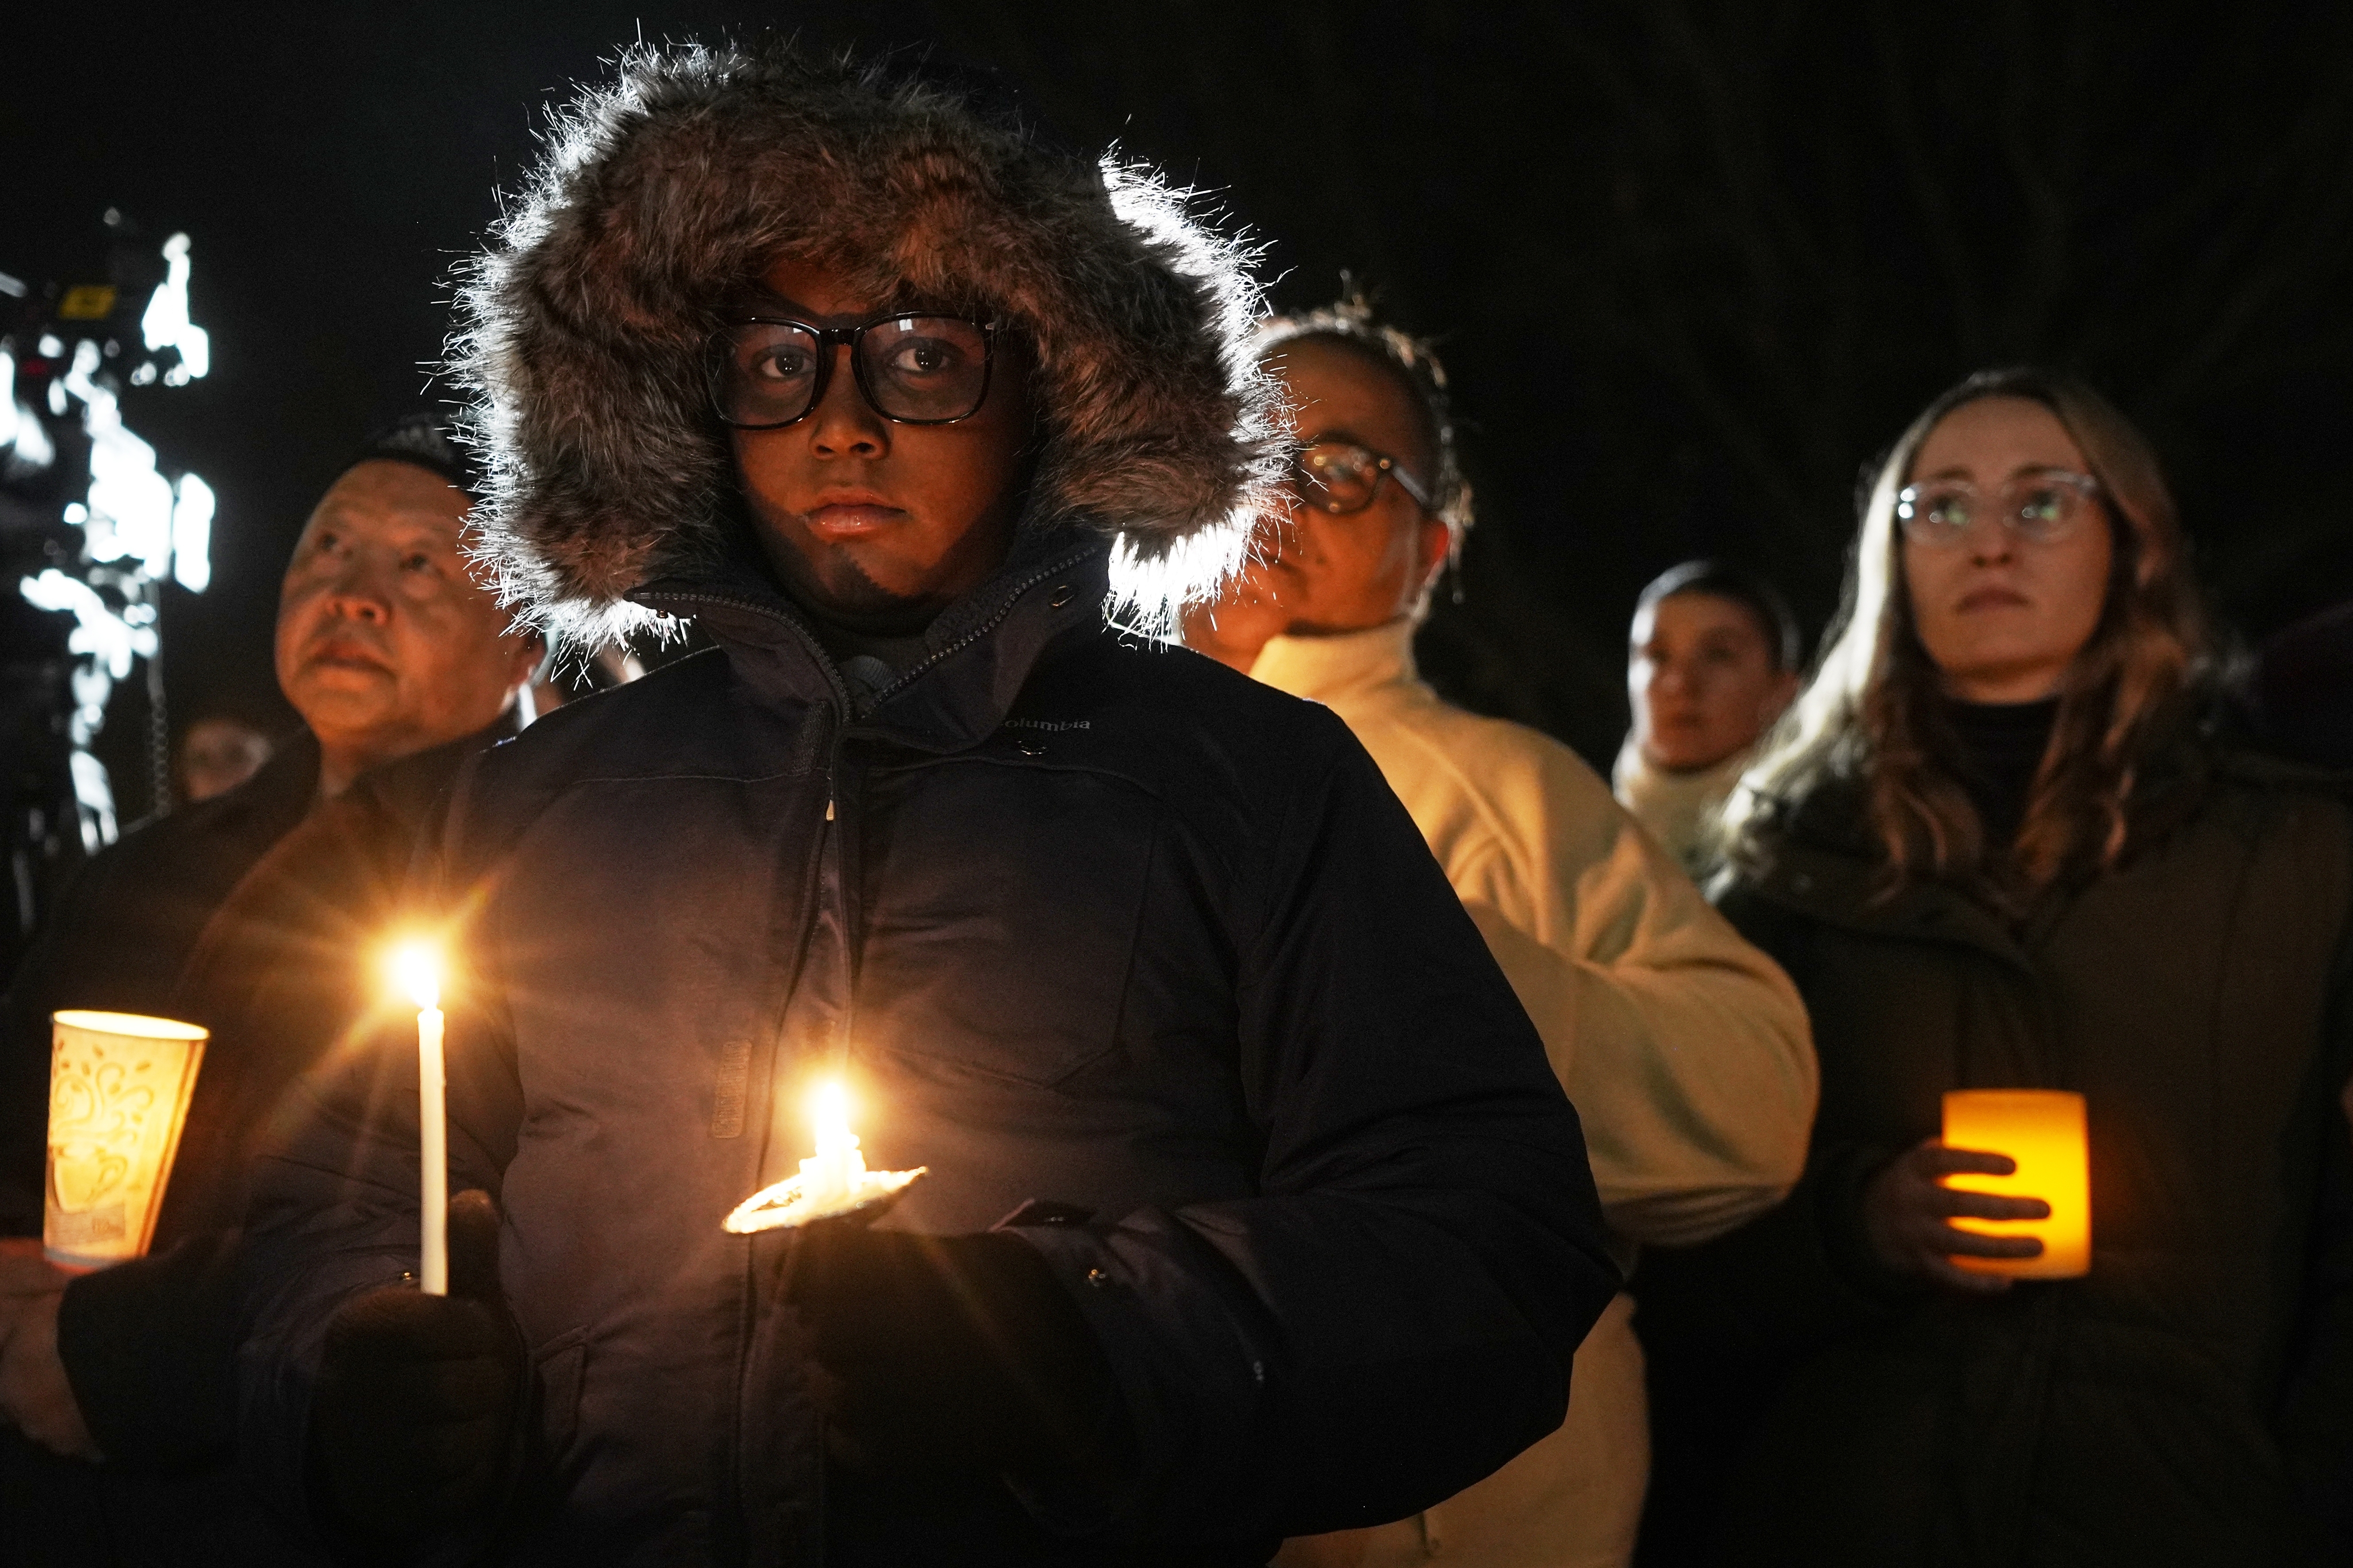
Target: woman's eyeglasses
pixel 1341 477
pixel 768 371
pixel 2041 508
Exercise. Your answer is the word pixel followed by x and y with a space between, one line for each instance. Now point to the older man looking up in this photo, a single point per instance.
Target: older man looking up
pixel 253 913
pixel 1684 1048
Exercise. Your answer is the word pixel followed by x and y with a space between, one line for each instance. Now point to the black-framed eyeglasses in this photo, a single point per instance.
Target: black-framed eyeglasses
pixel 1342 477
pixel 769 370
pixel 2040 508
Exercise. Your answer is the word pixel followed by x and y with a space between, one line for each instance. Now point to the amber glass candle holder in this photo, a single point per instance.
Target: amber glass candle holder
pixel 2043 1130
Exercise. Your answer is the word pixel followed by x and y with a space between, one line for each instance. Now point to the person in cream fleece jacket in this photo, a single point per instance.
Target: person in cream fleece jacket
pixel 1686 1050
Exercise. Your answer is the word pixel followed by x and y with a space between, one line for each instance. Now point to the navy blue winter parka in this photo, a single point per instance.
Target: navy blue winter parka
pixel 1087 920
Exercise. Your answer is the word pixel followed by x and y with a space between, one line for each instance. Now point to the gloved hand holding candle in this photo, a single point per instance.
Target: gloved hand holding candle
pixel 951 1350
pixel 958 1350
pixel 119 1086
pixel 413 1425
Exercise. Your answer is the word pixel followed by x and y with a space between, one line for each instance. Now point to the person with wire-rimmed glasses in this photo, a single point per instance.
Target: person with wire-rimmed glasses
pixel 1685 1049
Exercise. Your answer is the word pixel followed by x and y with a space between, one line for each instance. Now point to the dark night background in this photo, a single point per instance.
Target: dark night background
pixel 1690 264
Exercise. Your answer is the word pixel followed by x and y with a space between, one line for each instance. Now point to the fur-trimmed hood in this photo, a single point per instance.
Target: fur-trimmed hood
pixel 584 325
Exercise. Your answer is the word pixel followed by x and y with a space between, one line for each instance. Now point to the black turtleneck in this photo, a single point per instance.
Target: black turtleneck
pixel 869 652
pixel 1996 748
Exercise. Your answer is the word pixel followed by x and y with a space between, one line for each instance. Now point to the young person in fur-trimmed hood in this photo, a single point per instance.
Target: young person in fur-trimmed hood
pixel 1252 1208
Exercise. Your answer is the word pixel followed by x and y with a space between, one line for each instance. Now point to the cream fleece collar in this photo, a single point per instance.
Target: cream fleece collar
pixel 1673 806
pixel 1331 670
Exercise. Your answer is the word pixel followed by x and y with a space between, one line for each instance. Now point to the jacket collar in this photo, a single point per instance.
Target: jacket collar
pixel 1822 861
pixel 1332 669
pixel 272 810
pixel 979 652
pixel 1646 788
pixel 407 788
pixel 1842 884
pixel 285 789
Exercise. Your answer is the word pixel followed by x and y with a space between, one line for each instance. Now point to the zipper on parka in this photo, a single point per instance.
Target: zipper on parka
pixel 833 873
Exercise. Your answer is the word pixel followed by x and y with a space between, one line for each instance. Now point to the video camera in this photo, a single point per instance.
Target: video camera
pixel 89 529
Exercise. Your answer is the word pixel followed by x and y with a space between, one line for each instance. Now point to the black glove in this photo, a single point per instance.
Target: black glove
pixel 953 1350
pixel 413 1425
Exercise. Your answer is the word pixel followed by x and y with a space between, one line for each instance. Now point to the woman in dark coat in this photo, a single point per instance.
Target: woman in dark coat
pixel 1993 850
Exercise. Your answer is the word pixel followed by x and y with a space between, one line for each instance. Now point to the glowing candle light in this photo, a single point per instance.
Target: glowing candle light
pixel 419 973
pixel 837 1169
pixel 118 1091
pixel 832 1181
pixel 2042 1130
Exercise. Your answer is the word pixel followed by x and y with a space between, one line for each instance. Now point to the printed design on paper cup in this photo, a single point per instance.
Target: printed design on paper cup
pixel 101 1112
pixel 119 1090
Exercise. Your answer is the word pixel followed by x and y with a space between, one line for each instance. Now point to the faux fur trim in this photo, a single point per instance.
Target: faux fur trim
pixel 582 327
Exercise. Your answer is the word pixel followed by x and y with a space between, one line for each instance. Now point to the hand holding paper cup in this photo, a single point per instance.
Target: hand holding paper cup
pixel 119 1091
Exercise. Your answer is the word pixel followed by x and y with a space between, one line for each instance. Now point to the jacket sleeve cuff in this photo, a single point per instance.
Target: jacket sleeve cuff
pixel 277 1372
pixel 150 1346
pixel 1841 1176
pixel 1187 1372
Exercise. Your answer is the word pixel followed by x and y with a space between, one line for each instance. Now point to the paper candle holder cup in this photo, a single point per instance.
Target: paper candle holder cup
pixel 2043 1130
pixel 119 1091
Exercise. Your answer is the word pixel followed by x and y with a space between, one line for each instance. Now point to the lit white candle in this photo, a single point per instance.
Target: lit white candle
pixel 837 1169
pixel 420 976
pixel 832 1181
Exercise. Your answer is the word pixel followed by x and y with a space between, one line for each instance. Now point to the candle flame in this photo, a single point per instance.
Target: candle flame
pixel 831 1182
pixel 417 969
pixel 828 1108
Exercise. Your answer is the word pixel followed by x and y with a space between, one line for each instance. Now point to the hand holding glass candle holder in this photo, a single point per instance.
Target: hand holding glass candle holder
pixel 2042 1130
pixel 419 971
pixel 831 1182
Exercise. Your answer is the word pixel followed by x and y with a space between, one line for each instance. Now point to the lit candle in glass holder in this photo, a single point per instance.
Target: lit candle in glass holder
pixel 2043 1130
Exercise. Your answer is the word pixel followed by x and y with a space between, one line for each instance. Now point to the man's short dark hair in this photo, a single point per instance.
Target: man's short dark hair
pixel 422 441
pixel 1783 642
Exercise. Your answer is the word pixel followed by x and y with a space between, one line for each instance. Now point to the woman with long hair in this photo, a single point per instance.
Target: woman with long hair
pixel 1995 846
